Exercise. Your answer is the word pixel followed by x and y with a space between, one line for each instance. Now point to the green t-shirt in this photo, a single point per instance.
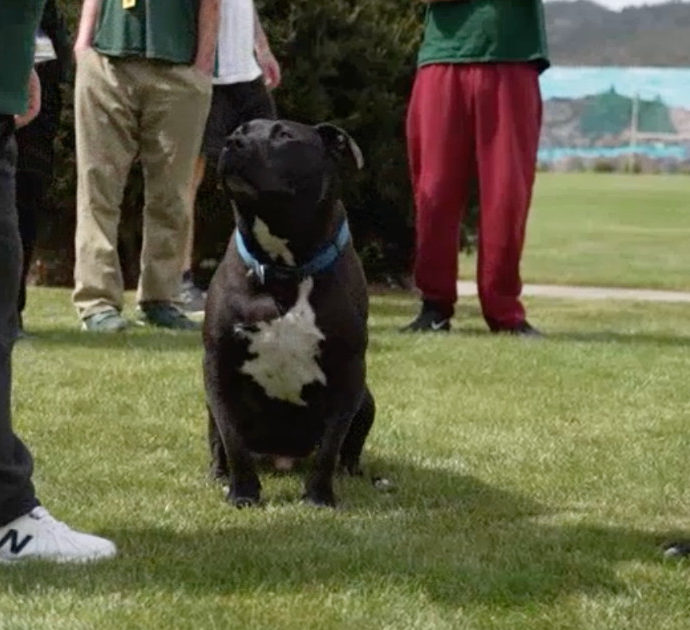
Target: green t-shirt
pixel 155 29
pixel 18 23
pixel 477 31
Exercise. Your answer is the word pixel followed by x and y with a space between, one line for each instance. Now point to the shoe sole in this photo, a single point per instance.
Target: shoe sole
pixel 198 312
pixel 85 328
pixel 444 327
pixel 145 322
pixel 57 559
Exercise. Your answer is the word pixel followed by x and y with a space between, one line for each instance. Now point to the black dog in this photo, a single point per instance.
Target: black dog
pixel 285 332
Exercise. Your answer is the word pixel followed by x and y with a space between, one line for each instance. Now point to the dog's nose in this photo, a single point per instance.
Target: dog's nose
pixel 279 131
pixel 239 138
pixel 238 141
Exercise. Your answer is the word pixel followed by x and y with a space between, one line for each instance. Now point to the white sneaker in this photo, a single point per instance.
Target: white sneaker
pixel 38 536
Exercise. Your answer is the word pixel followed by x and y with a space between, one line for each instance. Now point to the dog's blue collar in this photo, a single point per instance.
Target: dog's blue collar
pixel 323 259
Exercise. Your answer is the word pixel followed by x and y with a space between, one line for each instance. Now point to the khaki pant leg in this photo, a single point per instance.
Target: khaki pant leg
pixel 106 137
pixel 174 112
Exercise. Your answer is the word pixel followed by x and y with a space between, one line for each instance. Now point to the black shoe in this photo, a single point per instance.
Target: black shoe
pixel 524 329
pixel 432 318
pixel 165 315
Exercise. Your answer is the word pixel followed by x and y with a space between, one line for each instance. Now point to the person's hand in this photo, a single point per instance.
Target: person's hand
pixel 270 67
pixel 80 47
pixel 205 66
pixel 34 107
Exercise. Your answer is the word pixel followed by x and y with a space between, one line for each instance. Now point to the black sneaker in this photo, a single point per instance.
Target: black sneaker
pixel 524 329
pixel 432 318
pixel 165 315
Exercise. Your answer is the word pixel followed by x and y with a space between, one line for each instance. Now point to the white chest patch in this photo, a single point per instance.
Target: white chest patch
pixel 286 350
pixel 274 246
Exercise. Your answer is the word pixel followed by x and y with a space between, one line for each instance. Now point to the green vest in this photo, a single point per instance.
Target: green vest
pixel 478 31
pixel 18 23
pixel 154 29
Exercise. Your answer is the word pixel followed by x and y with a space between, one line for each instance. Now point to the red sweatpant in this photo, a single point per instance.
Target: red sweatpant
pixel 468 121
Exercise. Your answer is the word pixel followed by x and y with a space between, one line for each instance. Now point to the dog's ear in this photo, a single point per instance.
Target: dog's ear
pixel 340 143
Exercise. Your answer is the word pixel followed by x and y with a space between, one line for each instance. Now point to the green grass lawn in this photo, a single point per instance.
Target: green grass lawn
pixel 535 482
pixel 611 230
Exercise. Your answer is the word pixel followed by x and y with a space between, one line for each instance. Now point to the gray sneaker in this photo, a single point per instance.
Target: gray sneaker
pixel 191 298
pixel 106 321
pixel 165 315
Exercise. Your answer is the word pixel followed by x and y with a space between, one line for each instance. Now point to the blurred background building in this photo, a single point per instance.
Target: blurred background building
pixel 618 94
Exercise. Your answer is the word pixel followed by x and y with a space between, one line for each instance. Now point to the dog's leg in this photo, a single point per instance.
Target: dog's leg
pixel 219 461
pixel 359 429
pixel 319 483
pixel 245 487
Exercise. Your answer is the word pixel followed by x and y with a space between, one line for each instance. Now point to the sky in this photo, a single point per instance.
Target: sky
pixel 619 4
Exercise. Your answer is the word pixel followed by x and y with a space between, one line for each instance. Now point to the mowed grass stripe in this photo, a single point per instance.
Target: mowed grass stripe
pixel 534 481
pixel 607 230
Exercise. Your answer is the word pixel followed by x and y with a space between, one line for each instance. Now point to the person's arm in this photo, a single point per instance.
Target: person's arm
pixel 34 102
pixel 90 11
pixel 207 35
pixel 53 25
pixel 264 55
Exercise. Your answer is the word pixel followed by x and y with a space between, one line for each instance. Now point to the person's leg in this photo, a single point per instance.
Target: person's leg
pixel 16 490
pixel 197 178
pixel 175 105
pixel 440 140
pixel 250 100
pixel 191 298
pixel 508 120
pixel 106 112
pixel 31 189
pixel 222 119
pixel 27 530
pixel 231 105
pixel 35 158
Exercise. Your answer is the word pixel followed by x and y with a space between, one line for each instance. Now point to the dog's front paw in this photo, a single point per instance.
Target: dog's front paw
pixel 244 502
pixel 320 497
pixel 244 495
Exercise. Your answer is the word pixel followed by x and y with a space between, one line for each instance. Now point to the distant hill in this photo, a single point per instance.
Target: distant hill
pixel 585 33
